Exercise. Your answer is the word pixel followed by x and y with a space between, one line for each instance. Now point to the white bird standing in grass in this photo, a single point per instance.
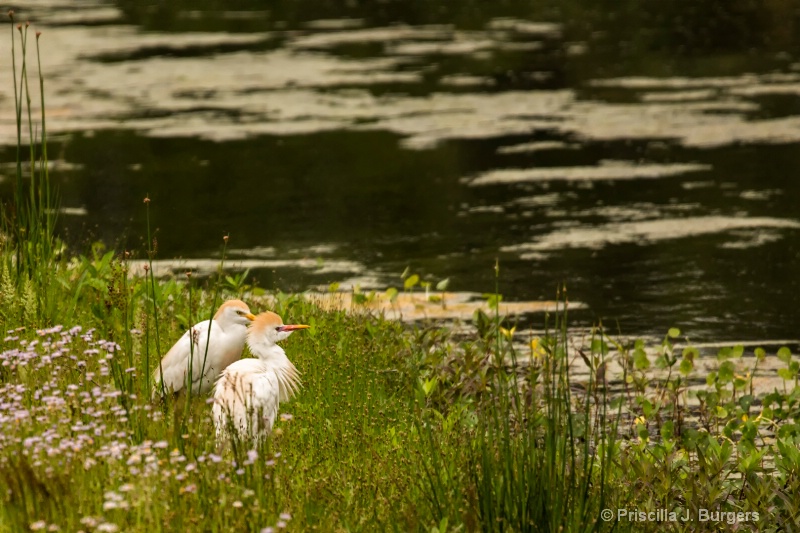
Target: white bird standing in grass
pixel 202 354
pixel 248 392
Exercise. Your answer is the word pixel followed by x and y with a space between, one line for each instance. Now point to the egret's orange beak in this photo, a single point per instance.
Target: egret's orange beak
pixel 292 327
pixel 250 316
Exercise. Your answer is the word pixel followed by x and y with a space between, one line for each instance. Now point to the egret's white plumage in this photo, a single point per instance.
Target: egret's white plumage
pixel 204 355
pixel 248 392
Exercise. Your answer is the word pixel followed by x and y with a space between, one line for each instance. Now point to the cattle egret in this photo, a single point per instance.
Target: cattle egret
pixel 248 392
pixel 204 355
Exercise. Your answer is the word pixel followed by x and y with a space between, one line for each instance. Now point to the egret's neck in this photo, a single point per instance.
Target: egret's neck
pixel 233 328
pixel 274 360
pixel 269 353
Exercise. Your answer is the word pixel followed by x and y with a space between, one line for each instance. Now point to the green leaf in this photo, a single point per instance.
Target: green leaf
pixel 785 373
pixel 429 385
pixel 405 273
pixel 752 461
pixel 760 354
pixel 686 366
pixel 745 402
pixel 333 287
pixel 640 360
pixel 599 346
pixel 788 430
pixel 724 353
pixel 726 371
pixel 785 354
pixel 411 281
pixel 790 456
pixel 391 294
pixel 493 300
pixel 578 428
pixel 667 430
pixel 674 332
pixel 647 407
pixel 442 285
pixel 737 351
pixel 616 402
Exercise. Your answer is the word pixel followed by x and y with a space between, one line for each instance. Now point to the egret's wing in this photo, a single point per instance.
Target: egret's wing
pixel 192 353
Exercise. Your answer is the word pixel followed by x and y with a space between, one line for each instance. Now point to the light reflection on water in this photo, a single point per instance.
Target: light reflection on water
pixel 656 180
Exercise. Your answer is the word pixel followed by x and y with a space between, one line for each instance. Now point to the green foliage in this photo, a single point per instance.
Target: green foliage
pixel 410 282
pixel 28 223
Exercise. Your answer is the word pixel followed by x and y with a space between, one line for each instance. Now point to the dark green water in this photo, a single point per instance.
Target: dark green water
pixel 645 153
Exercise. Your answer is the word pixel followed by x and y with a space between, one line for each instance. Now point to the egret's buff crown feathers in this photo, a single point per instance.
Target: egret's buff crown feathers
pixel 264 320
pixel 236 304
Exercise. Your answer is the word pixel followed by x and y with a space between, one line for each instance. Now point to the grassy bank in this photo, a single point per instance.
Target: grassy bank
pixel 398 427
pixel 395 427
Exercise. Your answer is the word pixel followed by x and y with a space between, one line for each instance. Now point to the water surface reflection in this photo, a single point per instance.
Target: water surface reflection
pixel 646 156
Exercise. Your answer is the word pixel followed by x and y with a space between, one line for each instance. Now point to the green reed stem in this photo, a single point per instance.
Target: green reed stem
pixel 151 280
pixel 189 374
pixel 49 212
pixel 215 301
pixel 18 116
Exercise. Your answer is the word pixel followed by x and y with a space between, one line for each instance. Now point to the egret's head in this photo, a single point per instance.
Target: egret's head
pixel 234 312
pixel 269 328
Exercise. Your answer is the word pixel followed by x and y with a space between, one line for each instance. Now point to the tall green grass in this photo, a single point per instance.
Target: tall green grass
pixel 523 454
pixel 29 223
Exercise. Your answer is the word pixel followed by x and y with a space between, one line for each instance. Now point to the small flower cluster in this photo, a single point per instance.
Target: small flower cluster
pixel 283 520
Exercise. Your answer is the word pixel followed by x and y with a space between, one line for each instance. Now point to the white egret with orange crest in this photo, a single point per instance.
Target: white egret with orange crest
pixel 247 394
pixel 204 351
